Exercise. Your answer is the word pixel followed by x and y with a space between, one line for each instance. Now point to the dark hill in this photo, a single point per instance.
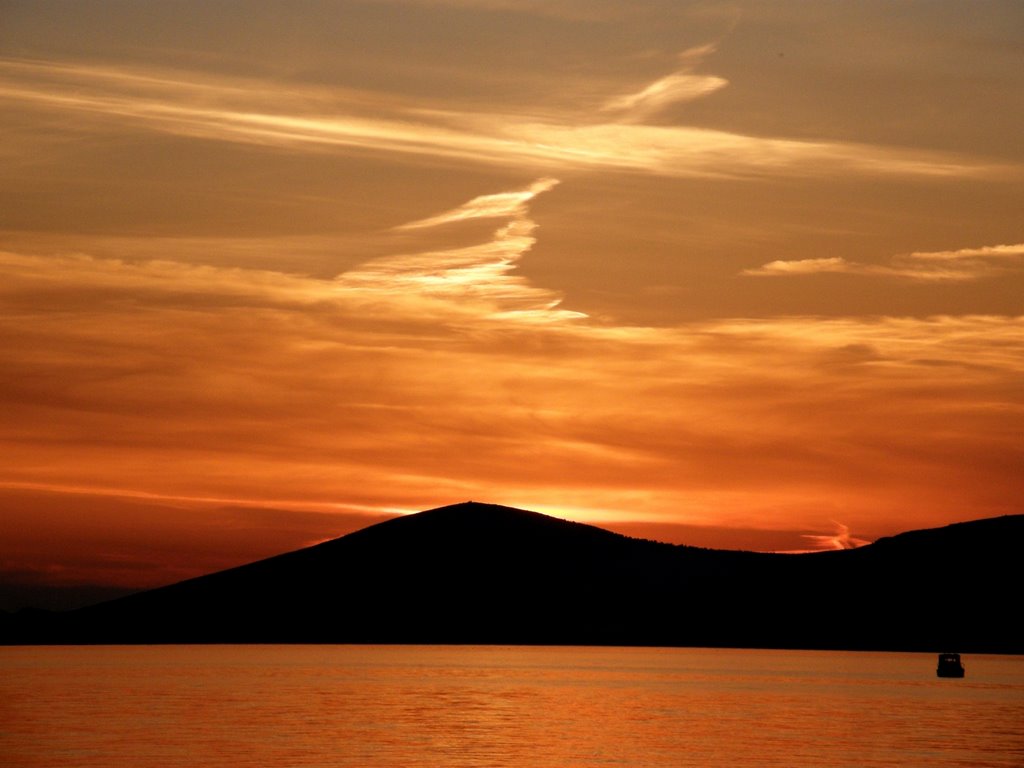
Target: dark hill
pixel 479 573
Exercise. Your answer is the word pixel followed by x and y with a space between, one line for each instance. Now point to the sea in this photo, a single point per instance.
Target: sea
pixel 493 706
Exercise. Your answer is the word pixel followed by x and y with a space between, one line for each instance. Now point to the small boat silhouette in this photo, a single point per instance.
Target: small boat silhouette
pixel 949 665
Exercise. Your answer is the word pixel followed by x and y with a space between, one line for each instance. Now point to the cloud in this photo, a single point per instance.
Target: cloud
pixel 675 88
pixel 437 374
pixel 994 252
pixel 841 539
pixel 320 120
pixel 961 265
pixel 472 282
pixel 441 375
pixel 801 267
pixel 500 205
pixel 478 279
pixel 478 276
pixel 672 89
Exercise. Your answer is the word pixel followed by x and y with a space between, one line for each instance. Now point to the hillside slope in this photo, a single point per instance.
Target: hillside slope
pixel 479 573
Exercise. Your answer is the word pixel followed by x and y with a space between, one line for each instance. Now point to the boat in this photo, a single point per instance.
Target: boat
pixel 949 665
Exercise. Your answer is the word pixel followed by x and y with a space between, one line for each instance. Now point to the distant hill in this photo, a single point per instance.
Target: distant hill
pixel 481 573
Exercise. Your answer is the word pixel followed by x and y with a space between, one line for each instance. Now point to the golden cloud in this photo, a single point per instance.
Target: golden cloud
pixel 924 266
pixel 428 377
pixel 338 119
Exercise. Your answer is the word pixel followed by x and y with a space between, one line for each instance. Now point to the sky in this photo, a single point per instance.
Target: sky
pixel 743 275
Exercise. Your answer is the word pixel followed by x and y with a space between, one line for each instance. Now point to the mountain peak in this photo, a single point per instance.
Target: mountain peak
pixel 474 508
pixel 480 511
pixel 473 520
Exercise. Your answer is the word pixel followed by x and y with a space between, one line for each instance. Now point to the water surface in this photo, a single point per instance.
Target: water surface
pixel 368 706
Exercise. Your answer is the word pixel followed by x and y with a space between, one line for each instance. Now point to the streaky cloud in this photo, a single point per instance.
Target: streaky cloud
pixel 840 539
pixel 502 204
pixel 801 267
pixel 989 251
pixel 477 279
pixel 464 284
pixel 675 88
pixel 963 265
pixel 478 275
pixel 342 120
pixel 432 373
pixel 672 89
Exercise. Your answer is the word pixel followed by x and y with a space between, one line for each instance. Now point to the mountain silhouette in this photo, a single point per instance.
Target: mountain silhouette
pixel 482 573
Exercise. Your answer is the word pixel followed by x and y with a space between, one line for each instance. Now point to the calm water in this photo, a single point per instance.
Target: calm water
pixel 488 706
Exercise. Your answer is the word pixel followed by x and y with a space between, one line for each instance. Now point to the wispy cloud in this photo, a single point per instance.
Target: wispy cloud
pixel 338 119
pixel 992 252
pixel 475 281
pixel 503 204
pixel 960 265
pixel 801 267
pixel 675 88
pixel 840 539
pixel 478 276
pixel 426 376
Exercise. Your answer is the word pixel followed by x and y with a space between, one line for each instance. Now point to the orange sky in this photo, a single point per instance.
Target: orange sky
pixel 734 274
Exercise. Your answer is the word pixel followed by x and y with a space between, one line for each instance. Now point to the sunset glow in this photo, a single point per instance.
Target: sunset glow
pixel 737 274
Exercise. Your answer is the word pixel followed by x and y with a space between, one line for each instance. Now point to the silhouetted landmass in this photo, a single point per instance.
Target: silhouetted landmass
pixel 16 594
pixel 479 573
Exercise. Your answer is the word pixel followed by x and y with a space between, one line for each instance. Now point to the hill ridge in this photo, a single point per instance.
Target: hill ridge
pixel 486 573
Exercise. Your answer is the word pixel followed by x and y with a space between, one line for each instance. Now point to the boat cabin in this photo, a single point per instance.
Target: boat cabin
pixel 950 665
